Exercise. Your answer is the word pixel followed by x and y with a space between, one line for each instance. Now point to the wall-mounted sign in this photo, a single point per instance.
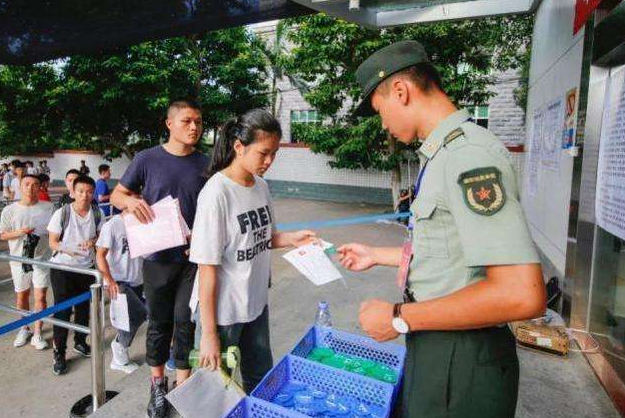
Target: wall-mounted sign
pixel 610 200
pixel 570 118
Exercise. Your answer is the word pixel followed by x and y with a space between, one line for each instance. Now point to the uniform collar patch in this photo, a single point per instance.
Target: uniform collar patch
pixel 482 190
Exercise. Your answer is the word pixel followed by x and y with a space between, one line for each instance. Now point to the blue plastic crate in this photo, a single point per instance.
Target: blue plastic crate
pixel 292 369
pixel 389 354
pixel 257 408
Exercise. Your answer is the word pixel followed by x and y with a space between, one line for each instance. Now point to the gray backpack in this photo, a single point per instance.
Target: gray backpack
pixel 66 212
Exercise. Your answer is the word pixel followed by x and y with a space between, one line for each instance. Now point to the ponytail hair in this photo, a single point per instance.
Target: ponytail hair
pixel 244 129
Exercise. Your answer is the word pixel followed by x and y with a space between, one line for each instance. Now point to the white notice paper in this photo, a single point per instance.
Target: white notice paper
pixel 313 263
pixel 553 129
pixel 610 199
pixel 532 162
pixel 119 313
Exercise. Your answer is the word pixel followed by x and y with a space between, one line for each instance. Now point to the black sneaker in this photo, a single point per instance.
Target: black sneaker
pixel 158 407
pixel 83 349
pixel 60 365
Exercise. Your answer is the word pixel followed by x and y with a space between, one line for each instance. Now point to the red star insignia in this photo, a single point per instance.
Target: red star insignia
pixel 483 193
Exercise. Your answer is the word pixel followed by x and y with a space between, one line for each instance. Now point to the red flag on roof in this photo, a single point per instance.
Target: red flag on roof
pixel 583 10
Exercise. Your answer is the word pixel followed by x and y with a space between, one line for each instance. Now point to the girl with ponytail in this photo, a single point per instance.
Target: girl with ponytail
pixel 234 230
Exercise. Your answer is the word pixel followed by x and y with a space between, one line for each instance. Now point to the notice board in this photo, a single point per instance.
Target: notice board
pixel 610 201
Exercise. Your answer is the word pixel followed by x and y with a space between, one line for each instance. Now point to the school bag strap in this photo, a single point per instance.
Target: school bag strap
pixel 66 213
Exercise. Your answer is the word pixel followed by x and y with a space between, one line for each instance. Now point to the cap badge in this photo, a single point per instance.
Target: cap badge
pixel 381 74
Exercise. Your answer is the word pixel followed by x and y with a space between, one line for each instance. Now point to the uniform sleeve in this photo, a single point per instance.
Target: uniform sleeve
pixel 482 197
pixel 55 222
pixel 105 240
pixel 208 238
pixel 134 176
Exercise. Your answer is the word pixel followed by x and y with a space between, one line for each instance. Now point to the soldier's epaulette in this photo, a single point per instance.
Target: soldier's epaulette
pixel 453 135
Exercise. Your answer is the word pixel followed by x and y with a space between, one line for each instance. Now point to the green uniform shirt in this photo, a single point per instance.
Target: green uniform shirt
pixel 467 214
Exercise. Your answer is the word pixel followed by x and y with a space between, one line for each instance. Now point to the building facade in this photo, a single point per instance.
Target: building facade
pixel 298 172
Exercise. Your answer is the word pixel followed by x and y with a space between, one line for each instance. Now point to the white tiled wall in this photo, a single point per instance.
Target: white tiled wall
pixel 302 165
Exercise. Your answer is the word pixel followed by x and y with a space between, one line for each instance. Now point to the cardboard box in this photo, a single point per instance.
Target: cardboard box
pixel 551 339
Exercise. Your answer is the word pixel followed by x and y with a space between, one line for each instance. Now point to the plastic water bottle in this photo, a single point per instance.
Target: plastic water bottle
pixel 323 318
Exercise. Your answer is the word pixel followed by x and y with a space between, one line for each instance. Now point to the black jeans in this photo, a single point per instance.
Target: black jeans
pixel 136 312
pixel 252 338
pixel 167 288
pixel 66 285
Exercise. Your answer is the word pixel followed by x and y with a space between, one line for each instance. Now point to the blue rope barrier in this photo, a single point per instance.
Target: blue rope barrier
pixel 66 304
pixel 293 226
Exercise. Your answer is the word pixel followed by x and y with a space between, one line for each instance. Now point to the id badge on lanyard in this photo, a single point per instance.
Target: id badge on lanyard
pixel 407 252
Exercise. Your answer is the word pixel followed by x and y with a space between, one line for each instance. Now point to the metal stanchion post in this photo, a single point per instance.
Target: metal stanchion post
pixel 97 350
pixel 99 395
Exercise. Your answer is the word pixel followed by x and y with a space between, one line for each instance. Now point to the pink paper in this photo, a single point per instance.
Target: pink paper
pixel 164 232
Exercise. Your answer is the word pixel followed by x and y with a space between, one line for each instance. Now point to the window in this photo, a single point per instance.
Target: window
pixel 479 114
pixel 302 117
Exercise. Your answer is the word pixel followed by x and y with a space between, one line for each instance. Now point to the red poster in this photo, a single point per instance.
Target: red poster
pixel 583 10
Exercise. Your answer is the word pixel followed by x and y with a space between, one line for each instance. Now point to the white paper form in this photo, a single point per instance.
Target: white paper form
pixel 205 395
pixel 119 312
pixel 72 249
pixel 313 263
pixel 164 232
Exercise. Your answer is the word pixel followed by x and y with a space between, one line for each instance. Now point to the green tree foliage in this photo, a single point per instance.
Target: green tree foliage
pixel 119 101
pixel 115 103
pixel 327 51
pixel 28 120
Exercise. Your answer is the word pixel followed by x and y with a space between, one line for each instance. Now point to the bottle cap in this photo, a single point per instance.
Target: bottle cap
pixel 323 305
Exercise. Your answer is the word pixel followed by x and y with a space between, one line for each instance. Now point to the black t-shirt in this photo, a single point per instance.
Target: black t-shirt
pixel 65 199
pixel 156 174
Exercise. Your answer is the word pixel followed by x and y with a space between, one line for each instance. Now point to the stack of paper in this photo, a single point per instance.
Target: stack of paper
pixel 167 230
pixel 311 260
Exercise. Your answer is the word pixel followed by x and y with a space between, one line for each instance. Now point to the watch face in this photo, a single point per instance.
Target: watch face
pixel 400 325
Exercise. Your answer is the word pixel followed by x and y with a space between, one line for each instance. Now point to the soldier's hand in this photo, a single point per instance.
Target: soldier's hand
pixel 376 318
pixel 356 257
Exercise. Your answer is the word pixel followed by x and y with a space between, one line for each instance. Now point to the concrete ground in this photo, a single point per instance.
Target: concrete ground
pixel 551 387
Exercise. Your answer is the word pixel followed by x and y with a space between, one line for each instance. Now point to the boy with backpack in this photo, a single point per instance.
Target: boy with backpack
pixel 73 232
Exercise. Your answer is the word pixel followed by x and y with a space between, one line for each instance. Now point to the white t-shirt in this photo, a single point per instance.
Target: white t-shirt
pixel 17 216
pixel 7 179
pixel 233 228
pixel 15 188
pixel 78 231
pixel 122 267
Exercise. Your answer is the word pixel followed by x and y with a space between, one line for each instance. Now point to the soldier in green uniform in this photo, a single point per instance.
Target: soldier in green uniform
pixel 471 265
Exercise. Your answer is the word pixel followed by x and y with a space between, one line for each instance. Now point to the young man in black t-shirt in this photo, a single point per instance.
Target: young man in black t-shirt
pixel 177 169
pixel 68 197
